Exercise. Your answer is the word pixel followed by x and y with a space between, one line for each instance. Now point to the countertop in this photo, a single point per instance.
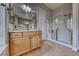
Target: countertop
pixel 24 30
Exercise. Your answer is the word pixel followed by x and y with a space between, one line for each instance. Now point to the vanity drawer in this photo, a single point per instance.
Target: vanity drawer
pixel 29 33
pixel 39 33
pixel 16 35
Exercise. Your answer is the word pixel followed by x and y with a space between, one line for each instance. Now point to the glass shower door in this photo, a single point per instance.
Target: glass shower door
pixel 63 31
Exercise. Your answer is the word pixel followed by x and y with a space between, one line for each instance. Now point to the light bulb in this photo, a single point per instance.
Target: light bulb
pixel 56 20
pixel 24 7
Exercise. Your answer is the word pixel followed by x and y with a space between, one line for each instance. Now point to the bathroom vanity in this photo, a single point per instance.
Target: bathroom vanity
pixel 24 41
pixel 24 34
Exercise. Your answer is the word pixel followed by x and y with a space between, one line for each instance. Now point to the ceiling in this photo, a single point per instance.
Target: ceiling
pixel 53 5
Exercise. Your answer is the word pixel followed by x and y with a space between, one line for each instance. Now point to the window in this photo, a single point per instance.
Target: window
pixel 2 26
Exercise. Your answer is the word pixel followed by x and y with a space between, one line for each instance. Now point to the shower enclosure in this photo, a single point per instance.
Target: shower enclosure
pixel 62 29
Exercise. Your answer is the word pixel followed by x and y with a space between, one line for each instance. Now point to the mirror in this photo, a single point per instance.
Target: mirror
pixel 23 17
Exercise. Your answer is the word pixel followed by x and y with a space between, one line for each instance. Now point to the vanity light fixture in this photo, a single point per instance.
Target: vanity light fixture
pixel 26 8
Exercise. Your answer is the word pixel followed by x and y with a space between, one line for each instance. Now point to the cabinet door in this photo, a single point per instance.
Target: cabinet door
pixel 16 46
pixel 20 45
pixel 33 42
pixel 38 39
pixel 26 44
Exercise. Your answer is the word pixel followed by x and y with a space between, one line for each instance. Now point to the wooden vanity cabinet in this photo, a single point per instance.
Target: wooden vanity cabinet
pixel 23 42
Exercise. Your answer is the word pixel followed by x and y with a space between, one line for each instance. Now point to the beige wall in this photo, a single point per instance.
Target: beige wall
pixel 44 21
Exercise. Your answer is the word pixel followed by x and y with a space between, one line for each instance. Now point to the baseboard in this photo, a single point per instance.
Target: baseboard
pixel 44 39
pixel 61 43
pixel 75 49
